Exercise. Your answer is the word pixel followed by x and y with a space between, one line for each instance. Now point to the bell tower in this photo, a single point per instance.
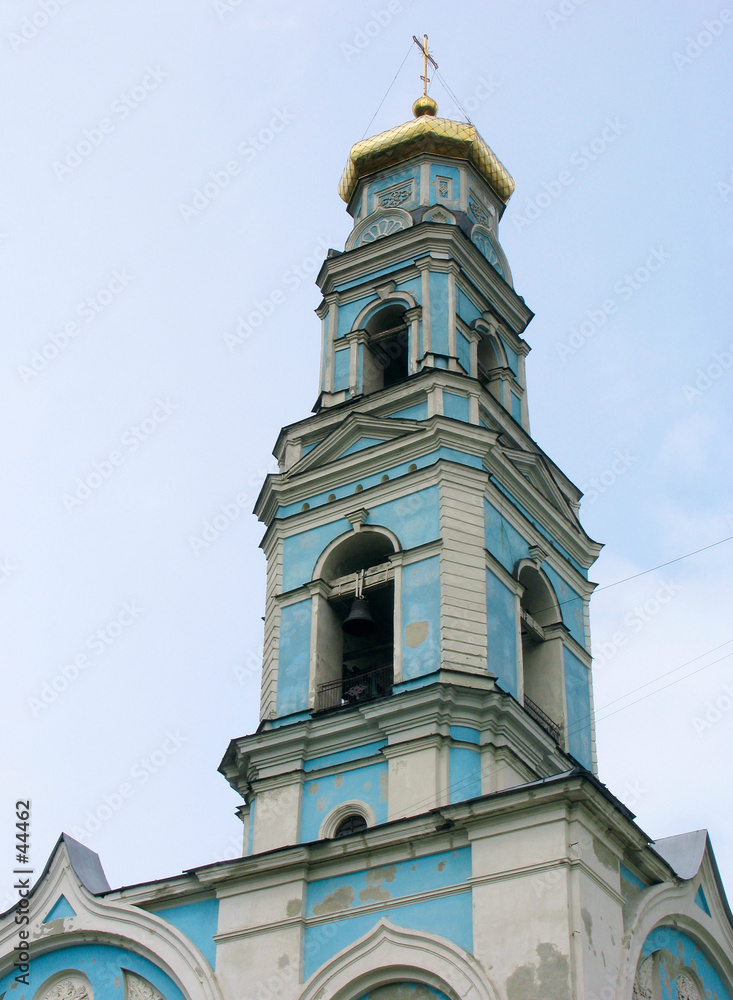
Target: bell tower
pixel 426 627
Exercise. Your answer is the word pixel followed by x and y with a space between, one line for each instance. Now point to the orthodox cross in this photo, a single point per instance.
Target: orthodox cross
pixel 426 58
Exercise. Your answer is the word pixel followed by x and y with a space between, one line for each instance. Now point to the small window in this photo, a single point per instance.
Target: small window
pixel 354 823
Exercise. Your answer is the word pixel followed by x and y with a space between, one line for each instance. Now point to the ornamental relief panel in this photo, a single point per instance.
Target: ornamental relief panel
pixel 393 197
pixel 69 988
pixel 481 236
pixel 137 988
pixel 643 988
pixel 478 211
pixel 686 988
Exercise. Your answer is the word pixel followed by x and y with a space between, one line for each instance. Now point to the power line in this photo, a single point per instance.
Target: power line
pixel 687 555
pixel 388 90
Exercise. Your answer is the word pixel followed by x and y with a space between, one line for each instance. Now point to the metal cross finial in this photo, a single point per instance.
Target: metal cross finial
pixel 426 57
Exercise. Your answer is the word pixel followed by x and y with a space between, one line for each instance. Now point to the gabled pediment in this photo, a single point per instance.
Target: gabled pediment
pixel 71 903
pixel 536 472
pixel 358 432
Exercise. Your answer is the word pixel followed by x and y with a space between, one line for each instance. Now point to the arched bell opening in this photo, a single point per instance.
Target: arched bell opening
pixel 355 613
pixel 542 652
pixel 387 350
pixel 492 364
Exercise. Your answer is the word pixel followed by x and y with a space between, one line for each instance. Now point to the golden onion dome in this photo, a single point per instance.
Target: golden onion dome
pixel 426 133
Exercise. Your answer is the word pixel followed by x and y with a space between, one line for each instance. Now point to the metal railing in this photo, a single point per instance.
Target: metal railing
pixel 548 724
pixel 358 688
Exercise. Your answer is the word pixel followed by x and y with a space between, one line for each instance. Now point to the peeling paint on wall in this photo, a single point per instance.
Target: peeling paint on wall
pixel 605 855
pixel 416 633
pixel 341 899
pixel 549 978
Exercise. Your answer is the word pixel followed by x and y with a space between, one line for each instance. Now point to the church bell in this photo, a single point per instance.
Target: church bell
pixel 359 621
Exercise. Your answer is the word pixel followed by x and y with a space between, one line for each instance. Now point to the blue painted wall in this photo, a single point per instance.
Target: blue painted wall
pixel 516 407
pixel 439 312
pixel 341 369
pixel 577 695
pixel 421 603
pixel 374 274
pixel 417 412
pixel 348 311
pixel 321 795
pixel 361 444
pixel 414 518
pixel 433 871
pixel 511 356
pixel 542 530
pixel 465 773
pixel 294 658
pixel 455 406
pixel 344 756
pixel 503 541
pixel 386 180
pixel 301 551
pixel 60 909
pixel 463 347
pixel 101 964
pixel 681 949
pixel 466 307
pixel 198 921
pixel 413 287
pixel 502 636
pixel 571 604
pixel 449 916
pixel 443 170
pixel 466 734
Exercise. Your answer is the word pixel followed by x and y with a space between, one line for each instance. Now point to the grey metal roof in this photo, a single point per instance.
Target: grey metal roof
pixel 684 852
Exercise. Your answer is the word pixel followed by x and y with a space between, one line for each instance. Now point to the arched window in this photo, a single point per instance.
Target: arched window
pixel 353 823
pixel 355 622
pixel 387 352
pixel 542 652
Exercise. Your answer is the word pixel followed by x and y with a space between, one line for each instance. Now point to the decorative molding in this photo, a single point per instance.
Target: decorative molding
pixel 439 214
pixel 357 517
pixel 538 554
pixel 379 224
pixel 444 188
pixel 482 236
pixel 374 960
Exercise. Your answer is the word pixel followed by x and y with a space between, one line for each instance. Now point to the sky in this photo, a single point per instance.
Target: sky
pixel 170 169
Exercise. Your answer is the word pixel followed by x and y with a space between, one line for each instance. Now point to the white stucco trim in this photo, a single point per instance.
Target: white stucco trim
pixel 394 298
pixel 113 922
pixel 391 954
pixel 674 906
pixel 376 528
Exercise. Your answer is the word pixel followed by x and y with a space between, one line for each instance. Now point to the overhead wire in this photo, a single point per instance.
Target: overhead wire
pixel 388 90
